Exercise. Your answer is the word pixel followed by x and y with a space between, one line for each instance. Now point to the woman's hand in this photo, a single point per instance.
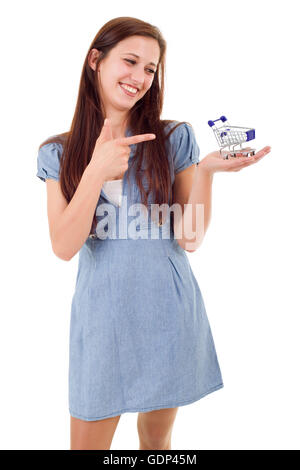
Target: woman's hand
pixel 110 156
pixel 213 162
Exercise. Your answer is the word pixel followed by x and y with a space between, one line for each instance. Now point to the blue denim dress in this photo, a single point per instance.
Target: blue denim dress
pixel 140 339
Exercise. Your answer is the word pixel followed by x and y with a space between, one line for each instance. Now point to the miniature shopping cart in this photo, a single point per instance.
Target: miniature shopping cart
pixel 228 136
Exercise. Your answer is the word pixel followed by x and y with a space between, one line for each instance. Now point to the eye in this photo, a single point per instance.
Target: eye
pixel 133 62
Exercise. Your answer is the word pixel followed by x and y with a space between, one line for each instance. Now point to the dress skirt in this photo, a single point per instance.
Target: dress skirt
pixel 140 339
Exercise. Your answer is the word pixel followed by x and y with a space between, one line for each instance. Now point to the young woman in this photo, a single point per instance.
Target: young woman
pixel 140 339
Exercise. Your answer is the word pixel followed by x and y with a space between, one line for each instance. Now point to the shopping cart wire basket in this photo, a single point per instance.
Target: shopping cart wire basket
pixel 230 136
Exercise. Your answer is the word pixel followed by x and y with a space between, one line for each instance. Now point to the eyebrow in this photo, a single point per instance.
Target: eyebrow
pixel 131 53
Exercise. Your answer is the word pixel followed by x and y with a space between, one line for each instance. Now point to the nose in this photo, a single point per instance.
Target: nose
pixel 137 77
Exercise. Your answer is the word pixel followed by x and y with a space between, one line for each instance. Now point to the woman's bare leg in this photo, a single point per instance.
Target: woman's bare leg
pixel 92 435
pixel 155 428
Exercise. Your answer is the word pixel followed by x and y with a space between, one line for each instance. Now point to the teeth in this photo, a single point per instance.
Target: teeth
pixel 132 90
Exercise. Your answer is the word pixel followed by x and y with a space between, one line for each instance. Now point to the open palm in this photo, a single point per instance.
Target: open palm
pixel 213 162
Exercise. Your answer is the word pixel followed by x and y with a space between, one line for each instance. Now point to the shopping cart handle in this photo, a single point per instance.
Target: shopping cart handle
pixel 212 123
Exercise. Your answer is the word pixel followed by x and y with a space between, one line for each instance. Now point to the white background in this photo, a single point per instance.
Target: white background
pixel 230 57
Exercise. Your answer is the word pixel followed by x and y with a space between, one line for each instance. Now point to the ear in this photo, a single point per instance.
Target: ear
pixel 93 56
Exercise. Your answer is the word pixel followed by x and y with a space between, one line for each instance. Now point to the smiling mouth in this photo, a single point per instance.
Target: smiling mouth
pixel 127 92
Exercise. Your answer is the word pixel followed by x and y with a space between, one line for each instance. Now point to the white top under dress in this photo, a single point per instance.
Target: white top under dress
pixel 113 189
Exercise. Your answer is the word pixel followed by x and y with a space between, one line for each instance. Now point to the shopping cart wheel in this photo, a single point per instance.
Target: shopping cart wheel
pixel 249 153
pixel 225 154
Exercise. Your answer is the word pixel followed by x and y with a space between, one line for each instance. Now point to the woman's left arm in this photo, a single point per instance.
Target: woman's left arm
pixel 193 193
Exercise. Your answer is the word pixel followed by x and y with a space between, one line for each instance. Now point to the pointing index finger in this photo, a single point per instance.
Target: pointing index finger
pixel 135 139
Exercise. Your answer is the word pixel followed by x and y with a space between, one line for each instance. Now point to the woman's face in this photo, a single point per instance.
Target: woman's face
pixel 121 67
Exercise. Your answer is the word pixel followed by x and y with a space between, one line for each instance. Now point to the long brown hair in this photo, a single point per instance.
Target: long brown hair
pixel 144 117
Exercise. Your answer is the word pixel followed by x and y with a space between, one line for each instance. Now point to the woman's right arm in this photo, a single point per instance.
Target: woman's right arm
pixel 70 223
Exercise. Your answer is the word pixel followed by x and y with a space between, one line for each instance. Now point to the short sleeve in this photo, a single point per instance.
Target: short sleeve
pixel 48 161
pixel 184 146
